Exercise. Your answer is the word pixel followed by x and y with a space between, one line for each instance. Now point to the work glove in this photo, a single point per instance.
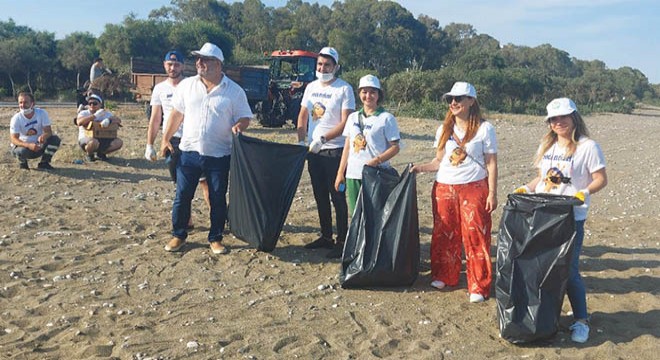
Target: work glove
pixel 99 114
pixel 522 190
pixel 582 195
pixel 315 146
pixel 105 123
pixel 150 153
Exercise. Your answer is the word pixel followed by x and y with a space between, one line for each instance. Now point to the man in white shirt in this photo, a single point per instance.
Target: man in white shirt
pixel 31 134
pixel 325 107
pixel 211 108
pixel 161 107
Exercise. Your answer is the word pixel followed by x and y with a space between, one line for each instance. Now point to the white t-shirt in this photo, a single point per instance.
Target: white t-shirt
pixel 587 159
pixel 29 130
pixel 209 117
pixel 162 95
pixel 325 104
pixel 471 167
pixel 378 130
pixel 86 112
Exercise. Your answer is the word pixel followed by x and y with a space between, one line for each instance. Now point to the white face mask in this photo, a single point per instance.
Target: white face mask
pixel 325 77
pixel 27 111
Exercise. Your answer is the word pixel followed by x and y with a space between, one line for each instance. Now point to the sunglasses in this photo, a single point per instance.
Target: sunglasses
pixel 94 103
pixel 559 180
pixel 458 99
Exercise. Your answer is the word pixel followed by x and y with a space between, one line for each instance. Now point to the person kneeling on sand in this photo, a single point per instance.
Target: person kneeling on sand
pixel 90 145
pixel 31 134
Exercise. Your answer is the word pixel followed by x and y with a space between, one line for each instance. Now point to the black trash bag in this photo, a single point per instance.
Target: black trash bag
pixel 263 179
pixel 534 253
pixel 382 245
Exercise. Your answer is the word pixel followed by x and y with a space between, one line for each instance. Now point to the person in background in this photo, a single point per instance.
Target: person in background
pixel 31 134
pixel 372 139
pixel 94 147
pixel 211 108
pixel 325 107
pixel 464 194
pixel 97 70
pixel 570 163
pixel 161 107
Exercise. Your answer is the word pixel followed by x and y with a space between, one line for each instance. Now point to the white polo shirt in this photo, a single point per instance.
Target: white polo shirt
pixel 209 117
pixel 162 95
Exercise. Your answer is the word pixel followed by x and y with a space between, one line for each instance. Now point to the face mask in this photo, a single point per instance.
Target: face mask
pixel 27 111
pixel 325 77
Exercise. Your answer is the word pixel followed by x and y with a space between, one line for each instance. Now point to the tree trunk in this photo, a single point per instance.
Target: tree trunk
pixel 78 80
pixel 13 85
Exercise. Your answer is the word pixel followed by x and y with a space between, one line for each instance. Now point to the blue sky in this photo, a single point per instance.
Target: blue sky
pixel 618 32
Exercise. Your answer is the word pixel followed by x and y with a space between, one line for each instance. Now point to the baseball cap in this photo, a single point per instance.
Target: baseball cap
pixel 95 97
pixel 461 88
pixel 174 56
pixel 369 81
pixel 560 107
pixel 330 51
pixel 209 50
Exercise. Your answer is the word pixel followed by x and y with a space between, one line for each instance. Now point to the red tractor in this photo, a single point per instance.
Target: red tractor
pixel 290 72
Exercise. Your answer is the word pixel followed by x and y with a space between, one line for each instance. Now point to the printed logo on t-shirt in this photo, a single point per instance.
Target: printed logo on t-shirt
pixel 31 131
pixel 318 111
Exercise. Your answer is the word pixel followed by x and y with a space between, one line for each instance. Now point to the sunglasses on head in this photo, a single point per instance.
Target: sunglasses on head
pixel 559 180
pixel 458 99
pixel 92 103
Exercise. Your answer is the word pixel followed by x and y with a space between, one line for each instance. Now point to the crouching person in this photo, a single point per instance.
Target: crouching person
pixel 31 134
pixel 92 146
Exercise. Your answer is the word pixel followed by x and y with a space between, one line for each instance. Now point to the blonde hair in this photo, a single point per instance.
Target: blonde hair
pixel 550 138
pixel 474 121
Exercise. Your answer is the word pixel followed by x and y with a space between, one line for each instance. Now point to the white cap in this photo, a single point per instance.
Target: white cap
pixel 560 107
pixel 461 88
pixel 210 50
pixel 330 51
pixel 369 81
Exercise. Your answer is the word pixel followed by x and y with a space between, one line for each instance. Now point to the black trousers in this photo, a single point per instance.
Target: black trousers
pixel 322 169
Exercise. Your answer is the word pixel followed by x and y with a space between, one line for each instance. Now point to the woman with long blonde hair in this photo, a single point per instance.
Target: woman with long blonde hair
pixel 570 163
pixel 464 194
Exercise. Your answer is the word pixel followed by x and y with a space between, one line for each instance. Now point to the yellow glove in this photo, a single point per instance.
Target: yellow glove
pixel 522 190
pixel 582 194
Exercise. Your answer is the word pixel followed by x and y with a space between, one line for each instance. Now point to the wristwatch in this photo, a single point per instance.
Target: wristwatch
pixel 323 140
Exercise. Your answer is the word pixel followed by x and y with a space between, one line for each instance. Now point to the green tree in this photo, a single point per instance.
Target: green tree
pixel 76 52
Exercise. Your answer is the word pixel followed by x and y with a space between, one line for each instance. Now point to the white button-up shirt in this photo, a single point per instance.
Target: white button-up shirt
pixel 209 117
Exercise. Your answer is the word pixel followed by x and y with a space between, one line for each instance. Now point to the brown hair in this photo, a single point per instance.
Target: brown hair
pixel 474 121
pixel 26 94
pixel 550 138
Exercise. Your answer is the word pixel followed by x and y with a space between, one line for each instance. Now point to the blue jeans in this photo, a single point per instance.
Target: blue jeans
pixel 190 167
pixel 577 294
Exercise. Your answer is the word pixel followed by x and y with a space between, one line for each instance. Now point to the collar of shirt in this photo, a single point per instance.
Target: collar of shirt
pixel 378 111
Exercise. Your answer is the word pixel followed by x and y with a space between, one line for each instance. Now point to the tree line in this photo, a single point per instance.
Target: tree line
pixel 417 59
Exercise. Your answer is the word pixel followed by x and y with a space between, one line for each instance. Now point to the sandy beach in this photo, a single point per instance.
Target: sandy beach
pixel 84 274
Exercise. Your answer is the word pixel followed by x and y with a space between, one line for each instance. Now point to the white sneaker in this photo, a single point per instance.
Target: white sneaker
pixel 438 284
pixel 579 332
pixel 476 298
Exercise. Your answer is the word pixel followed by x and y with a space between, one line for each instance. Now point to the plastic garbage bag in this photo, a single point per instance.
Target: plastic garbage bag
pixel 263 180
pixel 534 253
pixel 382 245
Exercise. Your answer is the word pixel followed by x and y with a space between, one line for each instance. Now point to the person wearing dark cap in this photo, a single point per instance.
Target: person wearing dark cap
pixel 31 134
pixel 464 194
pixel 161 107
pixel 94 147
pixel 325 107
pixel 211 108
